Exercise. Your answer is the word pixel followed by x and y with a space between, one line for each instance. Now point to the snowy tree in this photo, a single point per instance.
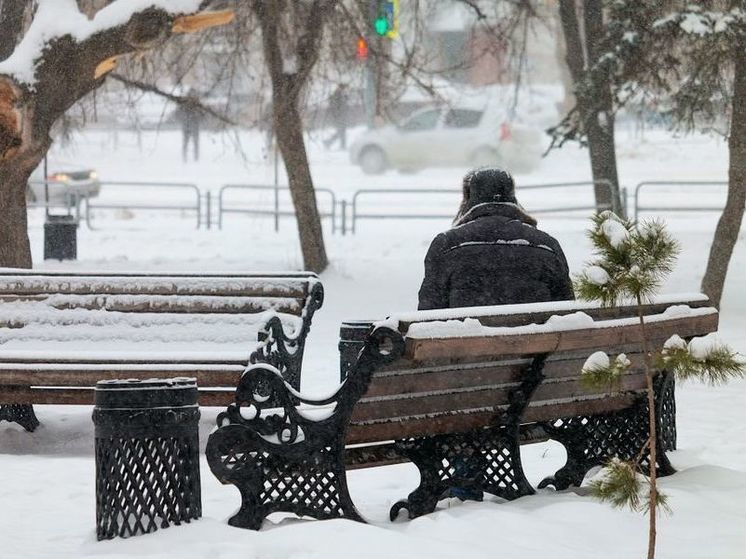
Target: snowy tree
pixel 689 58
pixel 631 261
pixel 53 55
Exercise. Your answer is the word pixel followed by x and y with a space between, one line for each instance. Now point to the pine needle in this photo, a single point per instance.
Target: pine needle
pixel 621 486
pixel 719 366
pixel 661 503
pixel 604 377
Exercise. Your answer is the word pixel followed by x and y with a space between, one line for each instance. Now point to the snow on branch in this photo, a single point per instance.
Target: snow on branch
pixel 696 21
pixel 55 19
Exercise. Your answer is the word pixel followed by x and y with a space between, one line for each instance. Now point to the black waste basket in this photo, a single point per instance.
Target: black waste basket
pixel 147 455
pixel 352 335
pixel 61 237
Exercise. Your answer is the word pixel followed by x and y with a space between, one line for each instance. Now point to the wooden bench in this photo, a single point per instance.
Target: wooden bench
pixel 62 332
pixel 455 397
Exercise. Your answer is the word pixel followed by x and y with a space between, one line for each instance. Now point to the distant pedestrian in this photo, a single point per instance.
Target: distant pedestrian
pixel 338 113
pixel 190 115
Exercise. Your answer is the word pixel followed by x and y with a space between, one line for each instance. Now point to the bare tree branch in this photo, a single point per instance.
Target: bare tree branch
pixel 178 99
pixel 309 43
pixel 475 8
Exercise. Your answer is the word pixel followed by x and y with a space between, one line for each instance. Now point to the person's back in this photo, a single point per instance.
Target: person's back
pixel 494 254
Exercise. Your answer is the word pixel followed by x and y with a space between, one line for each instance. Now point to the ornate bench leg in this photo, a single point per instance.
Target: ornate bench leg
pixel 504 475
pixel 23 414
pixel 485 460
pixel 289 479
pixel 593 440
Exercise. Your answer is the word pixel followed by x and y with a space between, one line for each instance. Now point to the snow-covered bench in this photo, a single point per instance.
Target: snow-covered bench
pixel 62 332
pixel 455 392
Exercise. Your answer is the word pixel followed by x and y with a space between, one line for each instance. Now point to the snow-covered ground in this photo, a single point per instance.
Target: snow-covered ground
pixel 46 487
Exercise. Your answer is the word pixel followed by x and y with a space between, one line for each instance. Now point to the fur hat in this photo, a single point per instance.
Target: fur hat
pixel 489 184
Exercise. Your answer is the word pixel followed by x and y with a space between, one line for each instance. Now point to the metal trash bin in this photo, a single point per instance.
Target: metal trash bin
pixel 147 455
pixel 351 340
pixel 60 237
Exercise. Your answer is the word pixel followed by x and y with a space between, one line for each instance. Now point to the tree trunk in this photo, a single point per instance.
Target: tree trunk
pixel 599 127
pixel 15 249
pixel 729 225
pixel 595 108
pixel 600 117
pixel 289 131
pixel 286 90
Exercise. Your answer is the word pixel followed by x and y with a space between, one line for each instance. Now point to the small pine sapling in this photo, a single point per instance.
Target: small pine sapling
pixel 630 263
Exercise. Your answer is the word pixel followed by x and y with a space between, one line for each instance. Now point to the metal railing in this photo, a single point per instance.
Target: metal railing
pixel 357 214
pixel 678 208
pixel 276 211
pixel 345 214
pixel 195 206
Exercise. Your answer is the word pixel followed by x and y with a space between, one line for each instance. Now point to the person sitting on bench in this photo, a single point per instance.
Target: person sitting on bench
pixel 493 255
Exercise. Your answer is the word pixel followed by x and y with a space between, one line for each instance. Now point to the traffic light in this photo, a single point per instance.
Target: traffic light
pixel 362 49
pixel 386 22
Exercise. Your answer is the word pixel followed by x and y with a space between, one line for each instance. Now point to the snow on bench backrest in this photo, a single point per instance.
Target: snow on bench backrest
pixel 145 313
pixel 544 327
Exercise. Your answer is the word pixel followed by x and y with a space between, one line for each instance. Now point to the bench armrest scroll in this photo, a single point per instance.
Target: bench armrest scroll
pixel 285 351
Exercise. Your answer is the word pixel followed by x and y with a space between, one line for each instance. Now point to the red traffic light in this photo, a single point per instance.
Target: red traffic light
pixel 362 49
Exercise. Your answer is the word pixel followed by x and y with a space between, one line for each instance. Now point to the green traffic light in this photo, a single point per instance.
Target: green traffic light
pixel 381 25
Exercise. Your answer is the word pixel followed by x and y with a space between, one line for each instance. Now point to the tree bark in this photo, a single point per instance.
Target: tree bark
pixel 289 131
pixel 11 23
pixel 729 225
pixel 594 108
pixel 15 249
pixel 286 91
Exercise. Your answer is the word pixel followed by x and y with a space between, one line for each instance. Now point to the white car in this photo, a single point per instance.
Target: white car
pixel 64 186
pixel 448 136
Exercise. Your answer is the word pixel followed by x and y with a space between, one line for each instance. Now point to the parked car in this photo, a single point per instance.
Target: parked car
pixel 448 136
pixel 63 185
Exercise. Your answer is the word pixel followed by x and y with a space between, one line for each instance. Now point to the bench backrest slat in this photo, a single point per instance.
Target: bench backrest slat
pixel 84 395
pixel 164 293
pixel 474 375
pixel 180 304
pixel 415 426
pixel 519 315
pixel 424 349
pixel 76 375
pixel 453 401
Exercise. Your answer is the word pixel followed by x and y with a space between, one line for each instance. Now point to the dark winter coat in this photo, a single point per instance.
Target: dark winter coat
pixel 494 255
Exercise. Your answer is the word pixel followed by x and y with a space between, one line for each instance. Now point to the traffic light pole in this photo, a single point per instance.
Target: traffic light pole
pixel 370 93
pixel 371 89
